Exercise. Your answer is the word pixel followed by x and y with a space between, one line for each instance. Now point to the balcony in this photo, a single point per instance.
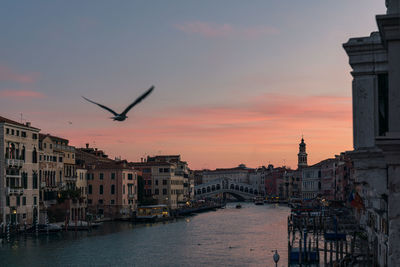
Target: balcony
pixel 70 178
pixel 42 184
pixel 15 191
pixel 14 163
pixel 131 196
pixel 61 185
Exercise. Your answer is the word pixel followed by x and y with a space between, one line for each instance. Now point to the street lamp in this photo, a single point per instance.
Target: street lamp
pixel 276 257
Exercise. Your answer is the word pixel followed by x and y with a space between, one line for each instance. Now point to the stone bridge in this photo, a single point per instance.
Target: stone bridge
pixel 240 191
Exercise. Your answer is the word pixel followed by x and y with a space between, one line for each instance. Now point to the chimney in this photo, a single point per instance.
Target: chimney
pixel 87 145
pixel 28 124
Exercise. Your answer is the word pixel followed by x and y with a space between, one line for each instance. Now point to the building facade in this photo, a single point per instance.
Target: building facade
pixel 311 182
pixel 112 189
pixel 375 61
pixel 19 181
pixel 239 174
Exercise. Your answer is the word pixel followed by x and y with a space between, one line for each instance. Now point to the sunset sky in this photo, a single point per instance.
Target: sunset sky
pixel 235 81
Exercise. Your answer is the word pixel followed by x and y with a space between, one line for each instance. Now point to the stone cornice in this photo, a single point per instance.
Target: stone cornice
pixel 390 145
pixel 389 27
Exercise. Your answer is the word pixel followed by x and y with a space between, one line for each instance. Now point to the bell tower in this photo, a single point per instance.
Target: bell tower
pixel 302 156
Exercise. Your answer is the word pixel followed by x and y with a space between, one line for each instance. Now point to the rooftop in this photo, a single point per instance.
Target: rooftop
pixel 5 120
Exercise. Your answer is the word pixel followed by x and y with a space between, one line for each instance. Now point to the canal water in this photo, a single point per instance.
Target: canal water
pixel 226 237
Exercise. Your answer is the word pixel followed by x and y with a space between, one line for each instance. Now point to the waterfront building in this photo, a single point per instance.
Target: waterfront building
pixel 51 171
pixel 166 187
pixel 81 181
pixel 239 174
pixel 19 181
pixel 198 177
pixel 181 169
pixel 274 181
pixel 257 179
pixel 375 62
pixel 344 177
pixel 112 189
pixel 328 178
pixel 311 182
pixel 292 184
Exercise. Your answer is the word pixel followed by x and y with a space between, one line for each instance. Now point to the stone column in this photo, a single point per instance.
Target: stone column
pixel 389 27
pixel 391 151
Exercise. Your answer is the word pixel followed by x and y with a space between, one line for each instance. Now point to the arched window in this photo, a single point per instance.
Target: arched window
pixel 23 153
pixel 34 155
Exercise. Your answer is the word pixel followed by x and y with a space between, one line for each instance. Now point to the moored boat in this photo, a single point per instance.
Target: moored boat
pixel 259 200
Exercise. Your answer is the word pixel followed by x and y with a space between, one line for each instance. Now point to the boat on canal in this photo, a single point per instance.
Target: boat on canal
pixel 152 213
pixel 259 200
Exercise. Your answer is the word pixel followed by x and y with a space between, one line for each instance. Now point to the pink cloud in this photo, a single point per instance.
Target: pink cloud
pixel 207 29
pixel 20 94
pixel 8 75
pixel 255 131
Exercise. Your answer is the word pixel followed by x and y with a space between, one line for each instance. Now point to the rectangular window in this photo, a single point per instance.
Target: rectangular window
pixel 17 133
pixel 23 134
pixel 34 136
pixel 25 180
pixel 166 169
pixel 12 131
pixel 101 189
pixel 160 170
pixel 7 131
pixel 18 200
pixel 112 189
pixel 156 182
pixel 100 201
pixel 164 191
pixel 34 200
pixel 130 176
pixel 8 201
pixel 90 189
pixel 164 182
pixel 60 159
pixel 383 103
pixel 113 176
pixel 112 202
pixel 89 201
pixel 34 180
pixel 101 176
pixel 156 191
pixel 123 189
pixel 23 201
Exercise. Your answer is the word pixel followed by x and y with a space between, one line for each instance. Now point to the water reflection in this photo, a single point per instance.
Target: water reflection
pixel 227 237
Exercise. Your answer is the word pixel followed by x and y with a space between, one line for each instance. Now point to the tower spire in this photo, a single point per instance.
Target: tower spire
pixel 302 155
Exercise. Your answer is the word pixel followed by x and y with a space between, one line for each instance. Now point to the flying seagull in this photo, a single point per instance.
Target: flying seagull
pixel 122 116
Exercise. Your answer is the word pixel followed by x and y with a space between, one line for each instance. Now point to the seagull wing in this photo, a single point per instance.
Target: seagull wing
pixel 139 99
pixel 102 106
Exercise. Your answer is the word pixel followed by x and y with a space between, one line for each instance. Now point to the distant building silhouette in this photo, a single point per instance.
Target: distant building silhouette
pixel 302 156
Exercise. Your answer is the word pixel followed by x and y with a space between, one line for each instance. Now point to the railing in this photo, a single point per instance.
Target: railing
pixel 64 148
pixel 131 196
pixel 43 184
pixel 70 178
pixel 61 184
pixel 15 191
pixel 14 163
